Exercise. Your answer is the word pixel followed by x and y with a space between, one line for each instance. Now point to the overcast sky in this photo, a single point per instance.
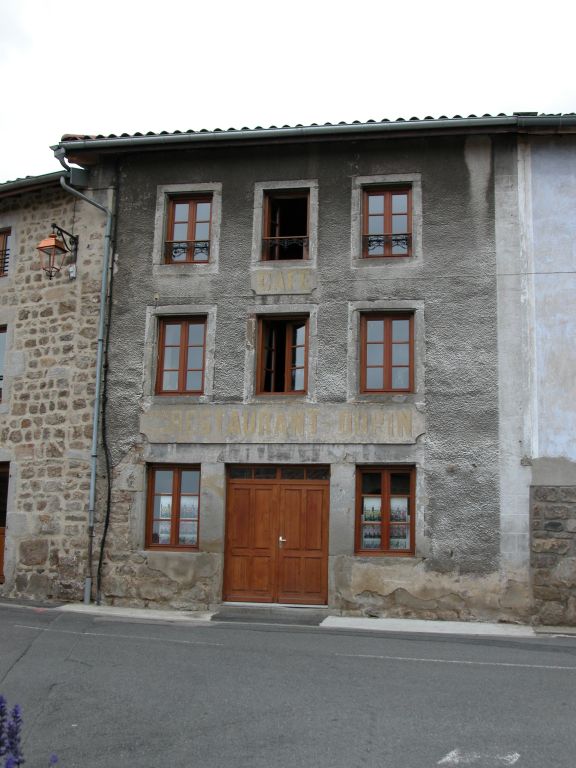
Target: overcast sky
pixel 117 66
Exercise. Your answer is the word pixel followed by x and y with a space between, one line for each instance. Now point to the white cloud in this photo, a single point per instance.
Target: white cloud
pixel 125 66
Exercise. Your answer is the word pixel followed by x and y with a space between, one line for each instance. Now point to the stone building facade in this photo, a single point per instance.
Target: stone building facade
pixel 400 488
pixel 48 365
pixel 339 373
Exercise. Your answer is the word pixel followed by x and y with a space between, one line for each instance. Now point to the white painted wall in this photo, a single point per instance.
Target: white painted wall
pixel 553 231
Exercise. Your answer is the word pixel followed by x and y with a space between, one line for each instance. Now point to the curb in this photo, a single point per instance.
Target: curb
pixel 469 628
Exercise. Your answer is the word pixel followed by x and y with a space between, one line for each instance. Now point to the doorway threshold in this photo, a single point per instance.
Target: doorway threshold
pixel 271 613
pixel 235 604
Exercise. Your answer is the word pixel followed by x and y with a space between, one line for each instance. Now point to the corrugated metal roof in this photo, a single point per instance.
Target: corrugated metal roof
pixel 72 137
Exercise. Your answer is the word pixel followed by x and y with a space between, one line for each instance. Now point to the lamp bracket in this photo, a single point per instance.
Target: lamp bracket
pixel 70 240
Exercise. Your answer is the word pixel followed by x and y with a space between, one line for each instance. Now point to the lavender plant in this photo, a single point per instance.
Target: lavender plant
pixel 11 736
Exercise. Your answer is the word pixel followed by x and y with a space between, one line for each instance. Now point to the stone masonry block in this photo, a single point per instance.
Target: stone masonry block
pixel 33 552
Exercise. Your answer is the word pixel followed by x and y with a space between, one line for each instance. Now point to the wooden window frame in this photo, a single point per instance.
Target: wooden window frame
pixel 4 251
pixel 387 192
pixel 192 201
pixel 288 368
pixel 386 522
pixel 268 227
pixel 277 473
pixel 177 469
pixel 387 317
pixel 185 323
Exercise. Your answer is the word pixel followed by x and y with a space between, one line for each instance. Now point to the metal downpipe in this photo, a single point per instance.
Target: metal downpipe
pixel 98 384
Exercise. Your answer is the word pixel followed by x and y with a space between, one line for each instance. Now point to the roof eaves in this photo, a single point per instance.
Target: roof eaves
pixel 28 183
pixel 75 142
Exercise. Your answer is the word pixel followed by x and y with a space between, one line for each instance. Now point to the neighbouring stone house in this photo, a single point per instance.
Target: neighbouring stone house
pixel 341 370
pixel 48 331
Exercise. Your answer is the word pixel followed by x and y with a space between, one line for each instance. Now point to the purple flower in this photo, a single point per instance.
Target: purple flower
pixel 13 734
pixel 3 725
pixel 53 759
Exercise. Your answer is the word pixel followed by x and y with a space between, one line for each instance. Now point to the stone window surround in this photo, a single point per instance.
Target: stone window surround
pixel 163 195
pixel 421 542
pixel 359 184
pixel 151 350
pixel 260 188
pixel 355 310
pixel 251 352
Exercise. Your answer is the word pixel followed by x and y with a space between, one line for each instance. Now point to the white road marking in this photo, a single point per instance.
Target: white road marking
pixel 454 661
pixel 456 757
pixel 123 637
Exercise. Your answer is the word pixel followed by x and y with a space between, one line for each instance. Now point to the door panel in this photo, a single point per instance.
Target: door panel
pixel 315 519
pixel 303 557
pixel 250 559
pixel 277 541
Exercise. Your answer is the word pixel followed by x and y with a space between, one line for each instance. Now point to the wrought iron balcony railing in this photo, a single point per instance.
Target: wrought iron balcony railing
pixel 183 251
pixel 387 245
pixel 280 248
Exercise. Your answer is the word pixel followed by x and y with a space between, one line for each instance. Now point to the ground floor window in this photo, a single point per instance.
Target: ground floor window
pixel 385 510
pixel 173 507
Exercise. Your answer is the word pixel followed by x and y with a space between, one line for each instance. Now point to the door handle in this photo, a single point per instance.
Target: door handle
pixel 281 540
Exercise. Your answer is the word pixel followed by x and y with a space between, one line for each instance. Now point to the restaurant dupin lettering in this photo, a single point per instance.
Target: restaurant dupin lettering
pixel 302 424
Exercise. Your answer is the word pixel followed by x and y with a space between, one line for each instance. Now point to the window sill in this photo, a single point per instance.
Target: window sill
pixel 388 556
pixel 288 397
pixel 187 269
pixel 157 399
pixel 384 261
pixel 388 398
pixel 278 263
pixel 171 550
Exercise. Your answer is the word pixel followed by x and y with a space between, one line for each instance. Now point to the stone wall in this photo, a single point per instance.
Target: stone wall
pixel 553 555
pixel 46 413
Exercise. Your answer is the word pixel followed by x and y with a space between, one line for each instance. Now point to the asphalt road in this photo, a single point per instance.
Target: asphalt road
pixel 107 692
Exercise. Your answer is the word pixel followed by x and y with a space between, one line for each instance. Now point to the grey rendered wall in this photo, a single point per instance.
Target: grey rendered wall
pixel 452 284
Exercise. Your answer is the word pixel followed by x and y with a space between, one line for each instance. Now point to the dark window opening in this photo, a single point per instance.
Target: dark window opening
pixel 285 226
pixel 4 475
pixel 4 251
pixel 282 361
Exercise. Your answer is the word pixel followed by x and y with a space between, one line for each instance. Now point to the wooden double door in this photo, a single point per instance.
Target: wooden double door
pixel 277 535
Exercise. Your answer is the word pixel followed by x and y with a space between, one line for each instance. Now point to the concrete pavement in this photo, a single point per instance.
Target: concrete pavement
pixel 291 615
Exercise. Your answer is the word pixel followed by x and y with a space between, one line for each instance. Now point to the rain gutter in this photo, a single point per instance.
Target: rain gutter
pixel 511 123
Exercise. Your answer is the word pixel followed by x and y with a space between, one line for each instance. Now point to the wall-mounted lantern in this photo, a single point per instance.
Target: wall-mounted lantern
pixel 54 249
